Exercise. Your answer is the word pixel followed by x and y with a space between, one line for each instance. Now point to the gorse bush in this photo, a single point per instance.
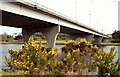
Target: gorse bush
pixel 32 58
pixel 81 57
pixel 78 55
pixel 105 62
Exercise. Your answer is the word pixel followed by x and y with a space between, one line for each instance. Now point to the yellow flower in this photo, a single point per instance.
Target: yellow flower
pixel 53 52
pixel 28 57
pixel 100 57
pixel 27 67
pixel 74 51
pixel 70 41
pixel 97 63
pixel 35 69
pixel 68 55
pixel 95 46
pixel 23 55
pixel 14 61
pixel 26 72
pixel 79 63
pixel 31 64
pixel 65 59
pixel 106 53
pixel 27 62
pixel 73 59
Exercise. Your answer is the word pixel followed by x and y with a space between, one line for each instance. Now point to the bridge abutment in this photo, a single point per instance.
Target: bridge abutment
pixel 49 32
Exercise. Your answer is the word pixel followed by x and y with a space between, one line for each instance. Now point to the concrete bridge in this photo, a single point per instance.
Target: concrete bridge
pixel 32 18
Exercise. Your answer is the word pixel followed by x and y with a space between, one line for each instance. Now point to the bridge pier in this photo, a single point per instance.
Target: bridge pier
pixel 27 33
pixel 104 40
pixel 49 32
pixel 87 37
pixel 51 35
pixel 98 39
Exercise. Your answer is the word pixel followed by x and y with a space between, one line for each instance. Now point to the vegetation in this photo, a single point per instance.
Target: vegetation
pixel 116 37
pixel 81 58
pixel 18 38
pixel 11 38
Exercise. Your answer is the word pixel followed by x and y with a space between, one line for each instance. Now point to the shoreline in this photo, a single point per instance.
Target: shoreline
pixel 62 43
pixel 58 43
pixel 11 42
pixel 110 44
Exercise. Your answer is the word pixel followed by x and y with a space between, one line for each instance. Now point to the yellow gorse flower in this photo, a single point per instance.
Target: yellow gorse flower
pixel 70 41
pixel 26 72
pixel 100 57
pixel 68 55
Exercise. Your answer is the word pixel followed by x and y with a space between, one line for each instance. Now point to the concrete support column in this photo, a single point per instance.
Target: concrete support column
pixel 99 39
pixel 118 52
pixel 51 35
pixel 27 33
pixel 89 38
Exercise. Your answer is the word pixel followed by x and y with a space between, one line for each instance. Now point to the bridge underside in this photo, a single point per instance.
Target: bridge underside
pixel 50 30
pixel 19 21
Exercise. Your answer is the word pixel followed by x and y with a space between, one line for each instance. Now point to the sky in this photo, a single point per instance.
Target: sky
pixel 101 15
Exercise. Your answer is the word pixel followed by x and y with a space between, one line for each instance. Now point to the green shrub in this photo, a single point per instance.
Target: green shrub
pixel 32 58
pixel 81 56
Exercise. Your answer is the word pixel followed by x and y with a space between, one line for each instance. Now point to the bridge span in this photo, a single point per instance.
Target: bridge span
pixel 32 18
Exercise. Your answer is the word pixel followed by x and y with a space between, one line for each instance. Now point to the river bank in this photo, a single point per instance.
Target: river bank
pixel 11 42
pixel 61 42
pixel 58 42
pixel 110 44
pixel 9 46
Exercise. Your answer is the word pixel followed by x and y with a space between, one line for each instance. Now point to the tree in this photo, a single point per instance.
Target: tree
pixel 18 37
pixel 4 37
pixel 116 36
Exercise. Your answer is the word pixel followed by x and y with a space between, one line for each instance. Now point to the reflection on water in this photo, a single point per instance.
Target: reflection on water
pixel 5 47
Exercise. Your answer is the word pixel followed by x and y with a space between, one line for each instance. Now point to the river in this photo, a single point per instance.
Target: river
pixel 5 47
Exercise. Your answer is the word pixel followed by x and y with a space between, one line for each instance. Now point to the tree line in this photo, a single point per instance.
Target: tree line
pixel 116 37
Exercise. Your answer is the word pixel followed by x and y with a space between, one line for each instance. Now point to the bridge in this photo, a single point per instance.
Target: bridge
pixel 32 18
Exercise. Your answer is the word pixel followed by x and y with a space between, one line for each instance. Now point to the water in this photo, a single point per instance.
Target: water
pixel 5 47
pixel 4 52
pixel 117 49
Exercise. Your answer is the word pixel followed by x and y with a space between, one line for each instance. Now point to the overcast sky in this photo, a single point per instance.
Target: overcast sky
pixel 101 15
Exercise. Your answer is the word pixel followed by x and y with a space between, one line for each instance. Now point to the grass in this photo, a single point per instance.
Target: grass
pixel 0 72
pixel 58 42
pixel 9 72
pixel 110 44
pixel 11 42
